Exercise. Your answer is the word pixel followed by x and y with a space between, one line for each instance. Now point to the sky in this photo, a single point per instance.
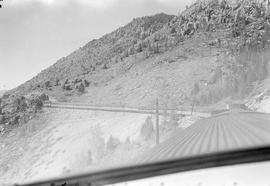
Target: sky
pixel 34 34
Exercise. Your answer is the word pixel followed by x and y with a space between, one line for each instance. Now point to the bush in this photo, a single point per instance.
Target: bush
pixel 47 84
pixel 37 104
pixel 156 48
pixel 20 104
pixel 86 83
pixel 105 66
pixel 147 128
pixel 112 143
pixel 139 48
pixel 65 85
pixel 44 97
pixel 80 87
pixel 173 30
pixel 173 120
pixel 97 143
pixel 57 82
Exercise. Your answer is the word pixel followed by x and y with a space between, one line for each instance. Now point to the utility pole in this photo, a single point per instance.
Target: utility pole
pixel 157 122
pixel 192 109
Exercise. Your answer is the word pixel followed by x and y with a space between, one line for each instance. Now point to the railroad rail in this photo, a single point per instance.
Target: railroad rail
pixel 184 111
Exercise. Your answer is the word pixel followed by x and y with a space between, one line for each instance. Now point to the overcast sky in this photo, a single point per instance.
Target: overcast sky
pixel 34 34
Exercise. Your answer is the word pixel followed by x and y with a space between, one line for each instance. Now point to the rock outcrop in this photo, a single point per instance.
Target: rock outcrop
pixel 16 110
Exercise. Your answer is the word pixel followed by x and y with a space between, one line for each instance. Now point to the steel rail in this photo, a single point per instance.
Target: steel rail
pixel 120 109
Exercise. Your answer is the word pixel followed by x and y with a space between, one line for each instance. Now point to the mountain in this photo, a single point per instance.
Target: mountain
pixel 101 53
pixel 214 52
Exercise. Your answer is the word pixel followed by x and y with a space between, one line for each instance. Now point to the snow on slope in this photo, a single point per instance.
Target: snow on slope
pixel 63 144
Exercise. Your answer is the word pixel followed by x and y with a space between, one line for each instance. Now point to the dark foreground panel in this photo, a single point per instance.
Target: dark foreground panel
pixel 162 168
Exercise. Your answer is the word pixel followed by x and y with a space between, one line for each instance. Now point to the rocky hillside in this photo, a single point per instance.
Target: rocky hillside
pixel 230 26
pixel 15 110
pixel 214 50
pixel 100 54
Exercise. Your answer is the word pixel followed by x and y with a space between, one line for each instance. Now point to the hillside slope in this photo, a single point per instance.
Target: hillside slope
pixel 215 52
pixel 228 27
pixel 49 146
pixel 100 53
pixel 212 51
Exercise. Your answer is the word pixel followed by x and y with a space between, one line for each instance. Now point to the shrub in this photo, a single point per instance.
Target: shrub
pixel 156 48
pixel 44 97
pixel 80 87
pixel 65 85
pixel 173 120
pixel 86 83
pixel 37 104
pixel 47 84
pixel 97 143
pixel 112 143
pixel 20 104
pixel 57 82
pixel 105 66
pixel 173 30
pixel 147 128
pixel 139 47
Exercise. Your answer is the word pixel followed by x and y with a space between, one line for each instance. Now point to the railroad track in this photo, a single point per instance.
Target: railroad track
pixel 77 106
